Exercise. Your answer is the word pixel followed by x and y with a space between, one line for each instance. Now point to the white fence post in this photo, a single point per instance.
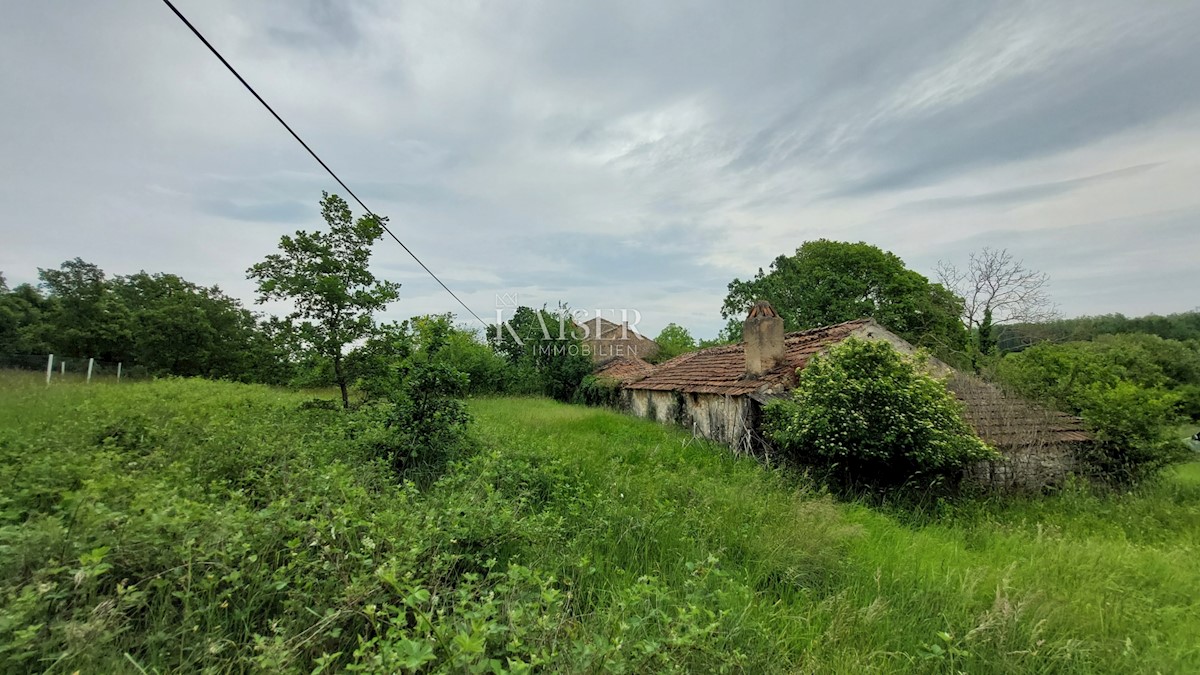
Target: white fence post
pixel 62 369
pixel 91 362
pixel 118 372
pixel 49 369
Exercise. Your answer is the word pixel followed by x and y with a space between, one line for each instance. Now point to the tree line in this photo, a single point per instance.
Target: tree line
pixel 163 325
pixel 160 323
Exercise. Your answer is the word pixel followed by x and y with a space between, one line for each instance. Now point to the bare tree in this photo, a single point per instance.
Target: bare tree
pixel 997 289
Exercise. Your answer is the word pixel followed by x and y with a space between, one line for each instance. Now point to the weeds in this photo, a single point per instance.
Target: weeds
pixel 185 525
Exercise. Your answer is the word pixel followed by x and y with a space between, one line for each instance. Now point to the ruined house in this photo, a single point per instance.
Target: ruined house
pixel 606 340
pixel 720 392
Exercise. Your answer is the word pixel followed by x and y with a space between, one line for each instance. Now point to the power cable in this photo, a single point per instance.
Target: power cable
pixel 325 166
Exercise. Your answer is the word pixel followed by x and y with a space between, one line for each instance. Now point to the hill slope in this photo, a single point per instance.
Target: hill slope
pixel 187 524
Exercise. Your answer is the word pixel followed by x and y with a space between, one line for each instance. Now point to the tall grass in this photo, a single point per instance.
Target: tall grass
pixel 185 525
pixel 1072 582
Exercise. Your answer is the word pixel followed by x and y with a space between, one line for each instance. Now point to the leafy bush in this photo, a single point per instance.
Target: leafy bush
pixel 598 391
pixel 869 415
pixel 1118 387
pixel 413 416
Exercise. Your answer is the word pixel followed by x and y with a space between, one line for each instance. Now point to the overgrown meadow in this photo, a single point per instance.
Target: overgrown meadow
pixel 188 525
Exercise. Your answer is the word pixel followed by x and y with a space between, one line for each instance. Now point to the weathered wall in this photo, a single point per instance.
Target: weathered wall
pixel 873 331
pixel 725 419
pixel 1028 468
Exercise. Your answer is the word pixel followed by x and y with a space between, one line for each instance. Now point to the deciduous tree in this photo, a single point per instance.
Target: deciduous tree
pixel 997 289
pixel 673 341
pixel 827 282
pixel 326 276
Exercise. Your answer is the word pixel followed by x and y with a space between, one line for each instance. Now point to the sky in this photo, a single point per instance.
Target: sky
pixel 611 155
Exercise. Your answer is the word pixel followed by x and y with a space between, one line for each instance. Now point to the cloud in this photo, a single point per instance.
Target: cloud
pixel 622 154
pixel 1025 193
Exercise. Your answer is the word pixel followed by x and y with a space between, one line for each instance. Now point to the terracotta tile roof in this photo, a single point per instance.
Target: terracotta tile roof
pixel 1001 420
pixel 722 370
pixel 624 369
pixel 1006 421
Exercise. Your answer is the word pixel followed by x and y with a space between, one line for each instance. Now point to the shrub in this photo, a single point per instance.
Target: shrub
pixel 421 423
pixel 1134 440
pixel 598 391
pixel 413 416
pixel 869 415
pixel 1117 388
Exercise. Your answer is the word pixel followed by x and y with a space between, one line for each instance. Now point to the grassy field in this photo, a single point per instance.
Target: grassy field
pixel 185 525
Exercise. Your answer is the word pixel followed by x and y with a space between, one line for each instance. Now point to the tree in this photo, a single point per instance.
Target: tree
pixel 996 290
pixel 326 277
pixel 870 415
pixel 84 317
pixel 182 328
pixel 543 352
pixel 827 282
pixel 673 341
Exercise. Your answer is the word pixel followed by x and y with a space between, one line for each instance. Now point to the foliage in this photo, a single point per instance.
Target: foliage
pixel 326 277
pixel 1117 385
pixel 85 319
pixel 1183 327
pixel 413 417
pixel 599 391
pixel 827 282
pixel 672 341
pixel 543 352
pixel 191 526
pixel 157 323
pixel 871 416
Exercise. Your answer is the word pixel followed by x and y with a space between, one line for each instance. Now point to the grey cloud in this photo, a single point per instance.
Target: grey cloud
pixel 271 212
pixel 627 153
pixel 1024 194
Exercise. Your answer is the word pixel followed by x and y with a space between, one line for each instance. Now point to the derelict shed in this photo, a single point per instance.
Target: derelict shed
pixel 720 392
pixel 1040 445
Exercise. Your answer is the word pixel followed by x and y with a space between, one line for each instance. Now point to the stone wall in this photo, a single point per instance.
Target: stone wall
pixel 1029 468
pixel 725 419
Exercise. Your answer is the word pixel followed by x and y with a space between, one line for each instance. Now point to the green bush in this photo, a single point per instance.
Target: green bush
pixel 870 416
pixel 1118 387
pixel 598 391
pixel 413 416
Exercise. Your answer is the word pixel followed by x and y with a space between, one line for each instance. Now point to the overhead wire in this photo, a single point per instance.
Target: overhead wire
pixel 320 161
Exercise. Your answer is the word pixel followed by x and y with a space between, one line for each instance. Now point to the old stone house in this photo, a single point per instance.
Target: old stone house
pixel 606 340
pixel 720 392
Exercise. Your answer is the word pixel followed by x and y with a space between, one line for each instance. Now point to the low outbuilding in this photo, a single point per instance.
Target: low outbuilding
pixel 719 393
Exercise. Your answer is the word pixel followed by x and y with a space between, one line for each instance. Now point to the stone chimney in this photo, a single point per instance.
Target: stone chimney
pixel 763 334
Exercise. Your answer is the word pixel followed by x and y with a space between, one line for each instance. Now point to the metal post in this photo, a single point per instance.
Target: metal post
pixel 118 372
pixel 49 369
pixel 91 362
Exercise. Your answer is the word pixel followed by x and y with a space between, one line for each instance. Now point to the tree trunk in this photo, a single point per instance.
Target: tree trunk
pixel 341 380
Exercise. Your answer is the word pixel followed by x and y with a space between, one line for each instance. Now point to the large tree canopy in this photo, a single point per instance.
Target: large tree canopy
pixel 827 282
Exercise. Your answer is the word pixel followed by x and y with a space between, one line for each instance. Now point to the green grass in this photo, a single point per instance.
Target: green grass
pixel 183 525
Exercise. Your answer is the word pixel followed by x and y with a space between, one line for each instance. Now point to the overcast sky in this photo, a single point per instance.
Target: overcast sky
pixel 611 154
